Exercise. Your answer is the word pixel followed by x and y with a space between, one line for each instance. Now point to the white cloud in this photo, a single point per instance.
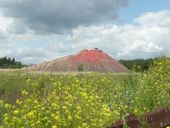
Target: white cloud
pixel 5 23
pixel 146 36
pixel 161 19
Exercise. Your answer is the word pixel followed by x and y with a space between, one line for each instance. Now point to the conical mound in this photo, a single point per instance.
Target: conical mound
pixel 86 60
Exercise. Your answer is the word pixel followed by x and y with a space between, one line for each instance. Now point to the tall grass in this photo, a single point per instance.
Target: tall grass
pixel 90 100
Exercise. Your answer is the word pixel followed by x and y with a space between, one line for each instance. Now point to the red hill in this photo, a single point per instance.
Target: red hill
pixel 86 60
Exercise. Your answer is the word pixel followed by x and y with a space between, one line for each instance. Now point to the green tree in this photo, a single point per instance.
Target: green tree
pixel 10 63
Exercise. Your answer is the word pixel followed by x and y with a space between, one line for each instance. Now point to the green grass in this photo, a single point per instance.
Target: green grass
pixel 84 100
pixel 11 83
pixel 102 85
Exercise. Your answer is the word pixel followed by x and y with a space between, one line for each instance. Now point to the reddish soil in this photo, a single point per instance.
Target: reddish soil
pixel 90 60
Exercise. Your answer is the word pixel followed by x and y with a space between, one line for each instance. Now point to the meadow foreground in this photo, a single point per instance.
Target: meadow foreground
pixel 91 100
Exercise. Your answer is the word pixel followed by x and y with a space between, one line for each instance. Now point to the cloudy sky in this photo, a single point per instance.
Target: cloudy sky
pixel 33 31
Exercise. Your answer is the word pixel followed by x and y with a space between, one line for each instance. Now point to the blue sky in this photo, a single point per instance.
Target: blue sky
pixel 139 7
pixel 46 30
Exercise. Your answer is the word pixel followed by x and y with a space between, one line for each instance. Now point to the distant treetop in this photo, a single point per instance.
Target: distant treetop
pixel 139 65
pixel 7 62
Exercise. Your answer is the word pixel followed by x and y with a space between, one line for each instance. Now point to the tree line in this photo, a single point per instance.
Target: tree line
pixel 137 64
pixel 7 62
pixel 140 65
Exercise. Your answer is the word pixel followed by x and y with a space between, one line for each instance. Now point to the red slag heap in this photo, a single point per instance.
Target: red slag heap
pixel 86 60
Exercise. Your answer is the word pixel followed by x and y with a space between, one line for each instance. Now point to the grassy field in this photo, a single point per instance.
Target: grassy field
pixel 13 81
pixel 80 100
